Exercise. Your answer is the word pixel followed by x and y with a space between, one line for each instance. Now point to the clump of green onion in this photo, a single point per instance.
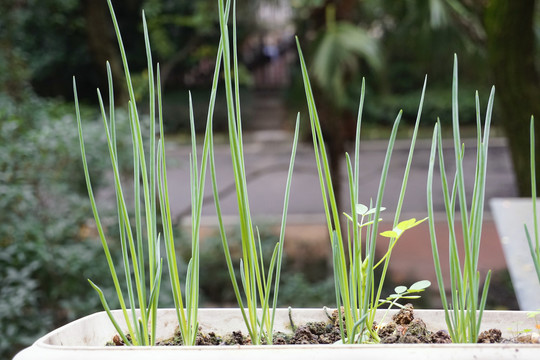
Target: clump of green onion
pixel 255 280
pixel 464 309
pixel 143 288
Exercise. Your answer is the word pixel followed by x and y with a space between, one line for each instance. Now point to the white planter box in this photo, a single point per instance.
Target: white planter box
pixel 85 338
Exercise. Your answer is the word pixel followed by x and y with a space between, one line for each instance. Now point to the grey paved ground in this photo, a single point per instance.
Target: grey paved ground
pixel 267 157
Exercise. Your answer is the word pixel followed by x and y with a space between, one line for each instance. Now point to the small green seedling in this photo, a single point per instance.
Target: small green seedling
pixel 403 292
pixel 395 234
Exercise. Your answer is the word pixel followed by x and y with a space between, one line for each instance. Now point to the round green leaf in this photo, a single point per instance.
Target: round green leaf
pixel 361 209
pixel 389 233
pixel 406 224
pixel 420 285
pixel 372 210
pixel 400 289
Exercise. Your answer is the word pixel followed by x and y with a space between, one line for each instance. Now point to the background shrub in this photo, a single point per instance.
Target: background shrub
pixel 47 244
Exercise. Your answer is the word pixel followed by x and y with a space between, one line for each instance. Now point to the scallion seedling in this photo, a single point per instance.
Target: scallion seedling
pixel 143 288
pixel 257 283
pixel 464 309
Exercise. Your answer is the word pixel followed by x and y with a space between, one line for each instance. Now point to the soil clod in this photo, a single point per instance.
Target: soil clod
pixel 404 316
pixel 441 337
pixel 490 336
pixel 406 329
pixel 117 340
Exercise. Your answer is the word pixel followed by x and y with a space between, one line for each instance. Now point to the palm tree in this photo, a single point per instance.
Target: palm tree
pixel 340 49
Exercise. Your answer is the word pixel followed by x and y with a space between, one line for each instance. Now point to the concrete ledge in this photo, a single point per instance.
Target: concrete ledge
pixel 510 214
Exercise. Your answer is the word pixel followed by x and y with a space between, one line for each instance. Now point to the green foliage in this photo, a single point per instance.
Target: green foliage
pixel 417 35
pixel 400 40
pixel 138 324
pixel 142 264
pixel 44 42
pixel 169 19
pixel 336 59
pixel 403 292
pixel 464 311
pixel 39 41
pixel 184 36
pixel 46 246
pixel 257 281
pixel 437 104
pixel 215 287
pixel 357 295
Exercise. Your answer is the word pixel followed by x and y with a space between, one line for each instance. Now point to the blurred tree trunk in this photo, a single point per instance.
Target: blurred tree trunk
pixel 103 44
pixel 510 38
pixel 332 118
pixel 332 125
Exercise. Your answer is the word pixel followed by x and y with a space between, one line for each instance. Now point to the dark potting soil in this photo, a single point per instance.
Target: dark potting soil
pixel 404 328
